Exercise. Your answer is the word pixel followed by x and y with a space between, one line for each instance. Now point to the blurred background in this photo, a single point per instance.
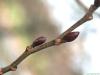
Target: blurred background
pixel 22 21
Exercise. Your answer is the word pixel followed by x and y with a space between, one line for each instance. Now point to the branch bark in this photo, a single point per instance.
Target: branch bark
pixel 85 8
pixel 59 40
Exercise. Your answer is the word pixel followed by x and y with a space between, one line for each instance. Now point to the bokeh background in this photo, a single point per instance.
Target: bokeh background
pixel 22 21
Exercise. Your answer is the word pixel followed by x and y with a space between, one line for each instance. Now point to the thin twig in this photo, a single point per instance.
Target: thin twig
pixel 30 50
pixel 85 8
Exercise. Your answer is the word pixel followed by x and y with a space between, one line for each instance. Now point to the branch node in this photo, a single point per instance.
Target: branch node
pixel 29 48
pixel 13 68
pixel 58 41
pixel 88 17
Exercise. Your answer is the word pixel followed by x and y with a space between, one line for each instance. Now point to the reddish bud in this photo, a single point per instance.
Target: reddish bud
pixel 97 3
pixel 70 36
pixel 1 73
pixel 39 41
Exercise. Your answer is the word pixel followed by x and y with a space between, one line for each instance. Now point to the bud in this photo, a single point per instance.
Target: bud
pixel 39 41
pixel 1 72
pixel 97 3
pixel 70 37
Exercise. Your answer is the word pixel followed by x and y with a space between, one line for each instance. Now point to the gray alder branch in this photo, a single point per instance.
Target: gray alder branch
pixel 79 2
pixel 30 50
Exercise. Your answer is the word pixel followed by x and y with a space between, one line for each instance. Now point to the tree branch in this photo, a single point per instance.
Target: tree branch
pixel 38 45
pixel 85 8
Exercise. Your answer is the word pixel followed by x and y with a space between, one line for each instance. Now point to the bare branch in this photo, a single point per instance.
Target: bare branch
pixel 85 8
pixel 38 43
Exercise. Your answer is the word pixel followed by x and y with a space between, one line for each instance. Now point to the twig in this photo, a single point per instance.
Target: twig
pixel 38 45
pixel 85 8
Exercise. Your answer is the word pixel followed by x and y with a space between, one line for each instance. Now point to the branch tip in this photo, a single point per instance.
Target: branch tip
pixel 97 3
